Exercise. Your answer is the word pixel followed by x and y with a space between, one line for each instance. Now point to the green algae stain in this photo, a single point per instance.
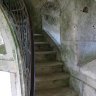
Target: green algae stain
pixel 2 49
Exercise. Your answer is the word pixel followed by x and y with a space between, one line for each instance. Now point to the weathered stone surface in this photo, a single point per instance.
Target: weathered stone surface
pixel 90 69
pixel 8 54
pixel 78 25
pixel 82 88
pixel 6 44
pixel 57 92
pixel 89 91
pixel 69 21
pixel 2 49
pixel 50 75
pixel 78 42
pixel 77 85
pixel 51 20
pixel 1 40
pixel 75 26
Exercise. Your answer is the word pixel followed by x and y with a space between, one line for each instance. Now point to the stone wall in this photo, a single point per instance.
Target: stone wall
pixel 72 23
pixel 51 20
pixel 45 15
pixel 78 22
pixel 75 25
pixel 82 88
pixel 8 56
pixel 78 31
pixel 34 8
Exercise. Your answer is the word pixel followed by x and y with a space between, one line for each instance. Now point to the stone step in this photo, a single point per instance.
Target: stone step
pixel 37 43
pixel 37 34
pixel 39 37
pixel 52 81
pixel 42 46
pixel 56 92
pixel 45 56
pixel 48 68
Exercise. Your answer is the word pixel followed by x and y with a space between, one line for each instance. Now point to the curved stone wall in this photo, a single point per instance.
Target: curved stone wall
pixel 76 30
pixel 8 54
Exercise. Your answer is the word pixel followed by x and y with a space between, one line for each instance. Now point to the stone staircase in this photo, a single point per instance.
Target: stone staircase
pixel 51 79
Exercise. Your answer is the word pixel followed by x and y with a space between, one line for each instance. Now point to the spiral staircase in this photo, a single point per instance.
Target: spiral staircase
pixel 51 79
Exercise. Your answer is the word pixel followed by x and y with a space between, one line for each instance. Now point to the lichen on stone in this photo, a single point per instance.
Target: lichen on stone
pixel 2 49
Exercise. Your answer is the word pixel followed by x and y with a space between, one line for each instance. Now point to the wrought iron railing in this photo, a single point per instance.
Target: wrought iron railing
pixel 20 22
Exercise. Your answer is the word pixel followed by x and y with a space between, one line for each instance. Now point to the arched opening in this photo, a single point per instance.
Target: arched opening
pixel 18 46
pixel 9 69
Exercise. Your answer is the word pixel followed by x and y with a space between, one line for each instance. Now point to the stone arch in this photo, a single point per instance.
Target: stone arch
pixel 17 16
pixel 9 54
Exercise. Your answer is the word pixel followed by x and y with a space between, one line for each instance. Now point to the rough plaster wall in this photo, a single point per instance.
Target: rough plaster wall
pixel 76 25
pixel 8 60
pixel 34 7
pixel 2 45
pixel 34 13
pixel 36 20
pixel 82 88
pixel 78 31
pixel 51 20
pixel 41 9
